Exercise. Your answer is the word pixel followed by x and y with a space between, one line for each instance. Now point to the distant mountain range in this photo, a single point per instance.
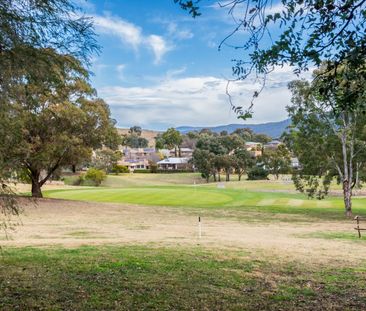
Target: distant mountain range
pixel 272 129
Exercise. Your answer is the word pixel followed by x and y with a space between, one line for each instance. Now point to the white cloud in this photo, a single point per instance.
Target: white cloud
pixel 175 32
pixel 196 101
pixel 158 46
pixel 120 70
pixel 132 36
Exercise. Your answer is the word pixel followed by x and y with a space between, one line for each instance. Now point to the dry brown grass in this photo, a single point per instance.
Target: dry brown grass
pixel 71 224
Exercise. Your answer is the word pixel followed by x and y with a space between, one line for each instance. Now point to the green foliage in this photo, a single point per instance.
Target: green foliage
pixel 277 161
pixel 170 139
pixel 106 159
pixel 329 133
pixel 60 118
pixel 258 173
pixel 242 161
pixel 95 176
pixel 120 169
pixel 314 186
pixel 133 139
pixel 203 162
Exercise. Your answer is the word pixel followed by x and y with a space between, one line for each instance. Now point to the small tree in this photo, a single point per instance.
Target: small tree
pixel 277 161
pixel 133 139
pixel 242 162
pixel 119 169
pixel 170 139
pixel 258 173
pixel 95 176
pixel 106 159
pixel 203 162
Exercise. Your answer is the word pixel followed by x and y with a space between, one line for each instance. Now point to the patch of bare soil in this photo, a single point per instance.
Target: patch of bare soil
pixel 71 224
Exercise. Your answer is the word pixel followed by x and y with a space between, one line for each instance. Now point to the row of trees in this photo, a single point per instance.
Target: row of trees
pixel 228 153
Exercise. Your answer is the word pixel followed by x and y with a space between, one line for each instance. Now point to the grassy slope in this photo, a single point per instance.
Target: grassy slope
pixel 136 278
pixel 146 277
pixel 211 198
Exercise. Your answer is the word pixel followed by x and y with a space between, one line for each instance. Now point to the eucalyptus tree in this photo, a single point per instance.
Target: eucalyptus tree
pixel 242 162
pixel 171 138
pixel 133 139
pixel 59 121
pixel 277 161
pixel 29 33
pixel 329 128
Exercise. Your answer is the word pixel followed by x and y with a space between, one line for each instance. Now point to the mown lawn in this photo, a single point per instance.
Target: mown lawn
pixel 148 278
pixel 214 199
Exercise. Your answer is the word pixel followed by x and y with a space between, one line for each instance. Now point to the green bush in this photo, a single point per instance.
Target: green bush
pixel 258 173
pixel 120 169
pixel 95 176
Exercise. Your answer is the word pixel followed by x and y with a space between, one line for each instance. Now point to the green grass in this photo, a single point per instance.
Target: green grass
pixel 212 199
pixel 334 235
pixel 146 278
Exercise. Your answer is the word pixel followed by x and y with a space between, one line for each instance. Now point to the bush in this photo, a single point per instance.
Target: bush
pixel 258 173
pixel 95 176
pixel 153 167
pixel 120 169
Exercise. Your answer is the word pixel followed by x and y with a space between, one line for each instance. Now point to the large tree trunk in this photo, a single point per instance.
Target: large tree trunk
pixel 347 196
pixel 36 184
pixel 36 189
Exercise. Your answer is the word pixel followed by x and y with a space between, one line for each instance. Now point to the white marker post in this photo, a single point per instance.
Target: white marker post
pixel 199 227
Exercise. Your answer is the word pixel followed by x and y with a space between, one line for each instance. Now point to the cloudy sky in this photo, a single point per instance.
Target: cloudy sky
pixel 159 67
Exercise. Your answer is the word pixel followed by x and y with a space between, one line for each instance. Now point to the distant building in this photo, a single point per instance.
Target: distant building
pixel 174 164
pixel 138 158
pixel 254 148
pixel 273 144
pixel 184 152
pixel 295 163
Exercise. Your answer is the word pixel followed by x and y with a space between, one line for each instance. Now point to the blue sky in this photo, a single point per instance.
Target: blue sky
pixel 159 67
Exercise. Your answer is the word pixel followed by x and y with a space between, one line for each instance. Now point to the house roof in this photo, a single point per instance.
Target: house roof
pixel 249 143
pixel 174 161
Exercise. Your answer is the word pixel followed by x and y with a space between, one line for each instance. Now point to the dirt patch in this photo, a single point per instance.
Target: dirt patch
pixel 70 224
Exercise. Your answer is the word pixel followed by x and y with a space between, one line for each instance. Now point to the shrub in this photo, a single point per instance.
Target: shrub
pixel 120 169
pixel 257 173
pixel 95 176
pixel 153 168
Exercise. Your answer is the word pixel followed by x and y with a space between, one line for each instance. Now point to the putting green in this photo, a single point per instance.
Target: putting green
pixel 149 196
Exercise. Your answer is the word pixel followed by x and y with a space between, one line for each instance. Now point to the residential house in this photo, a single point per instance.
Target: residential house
pixel 254 148
pixel 138 158
pixel 174 164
